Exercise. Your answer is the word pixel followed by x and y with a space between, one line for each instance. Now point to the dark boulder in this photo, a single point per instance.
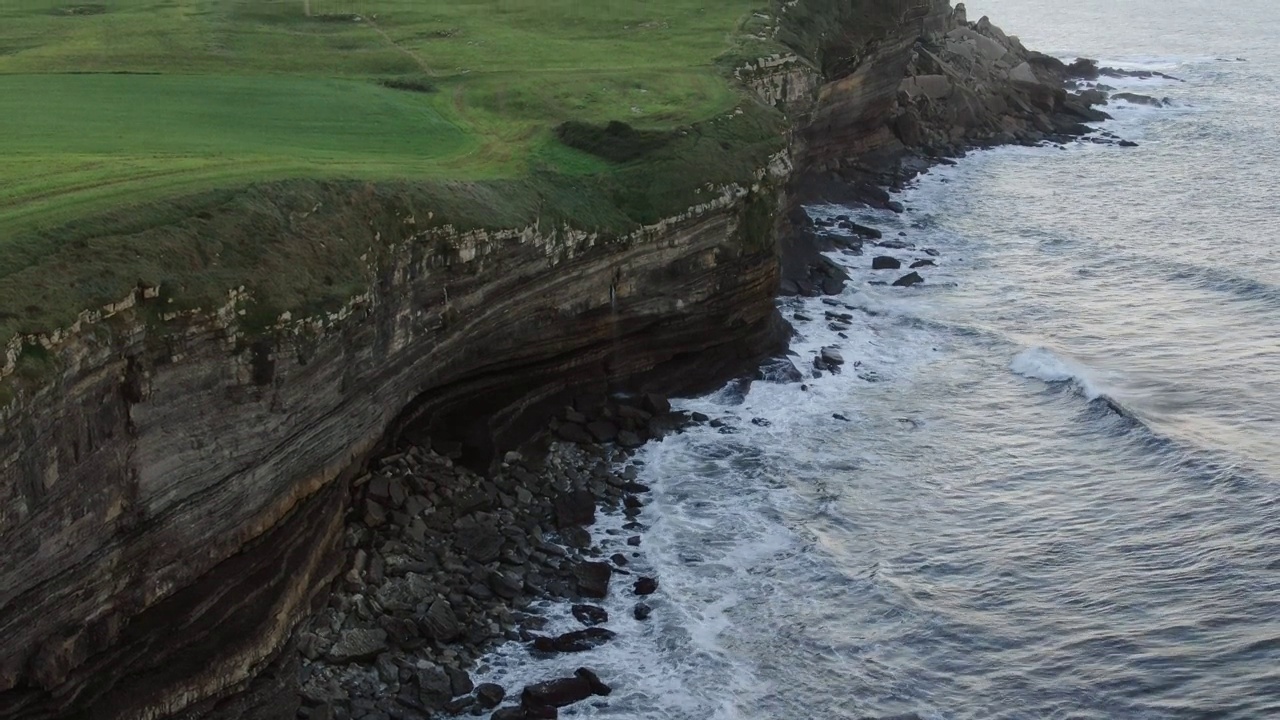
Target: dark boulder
pixel 489 695
pixel 574 433
pixel 597 686
pixel 646 586
pixel 357 646
pixel 575 509
pixel 582 640
pixel 590 614
pixel 884 262
pixel 642 611
pixel 908 280
pixel 831 356
pixel 593 578
pixel 509 713
pixel 655 404
pixel 922 263
pixel 560 692
pixel 459 681
pixel 866 231
pixel 440 623
pixel 603 431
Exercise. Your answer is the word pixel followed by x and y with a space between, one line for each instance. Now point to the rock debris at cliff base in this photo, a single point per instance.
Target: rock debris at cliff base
pixel 444 563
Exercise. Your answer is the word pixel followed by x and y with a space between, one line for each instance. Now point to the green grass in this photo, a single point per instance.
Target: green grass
pixel 124 122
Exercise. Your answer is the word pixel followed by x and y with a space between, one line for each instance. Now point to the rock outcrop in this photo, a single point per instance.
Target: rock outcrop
pixel 170 506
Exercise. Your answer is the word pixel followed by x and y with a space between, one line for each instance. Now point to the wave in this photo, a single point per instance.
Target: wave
pixel 1041 363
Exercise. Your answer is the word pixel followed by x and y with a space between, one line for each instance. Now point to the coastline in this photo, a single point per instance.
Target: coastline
pixel 828 169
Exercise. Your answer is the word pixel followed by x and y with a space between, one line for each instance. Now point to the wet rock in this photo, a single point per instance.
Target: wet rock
pixel 459 681
pixel 831 356
pixel 646 586
pixel 560 692
pixel 597 686
pixel 1127 144
pixel 593 578
pixel 633 541
pixel 642 611
pixel 590 614
pixel 908 280
pixel 865 231
pixel 895 206
pixel 357 645
pixel 490 695
pixel 922 263
pixel 582 640
pixel 618 559
pixel 884 262
pixel 1137 99
pixel 634 487
pixel 575 509
pixel 508 713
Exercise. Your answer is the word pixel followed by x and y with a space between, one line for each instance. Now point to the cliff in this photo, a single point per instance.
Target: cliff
pixel 172 496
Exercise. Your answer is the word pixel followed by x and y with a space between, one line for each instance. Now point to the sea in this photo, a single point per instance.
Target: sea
pixel 1053 486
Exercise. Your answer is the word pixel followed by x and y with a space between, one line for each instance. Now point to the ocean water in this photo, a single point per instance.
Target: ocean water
pixel 1055 493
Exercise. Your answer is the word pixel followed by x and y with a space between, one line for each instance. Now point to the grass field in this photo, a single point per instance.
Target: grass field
pixel 122 120
pixel 139 98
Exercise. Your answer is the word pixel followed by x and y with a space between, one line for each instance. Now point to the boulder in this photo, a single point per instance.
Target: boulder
pixel 582 640
pixel 593 578
pixel 1137 99
pixel 629 439
pixel 434 684
pixel 440 623
pixel 357 645
pixel 489 695
pixel 597 686
pixel 922 263
pixel 1024 74
pixel 655 404
pixel 590 614
pixel 574 433
pixel 642 611
pixel 459 681
pixel 865 231
pixel 908 280
pixel 509 713
pixel 560 692
pixel 646 586
pixel 884 262
pixel 575 509
pixel 832 356
pixel 603 431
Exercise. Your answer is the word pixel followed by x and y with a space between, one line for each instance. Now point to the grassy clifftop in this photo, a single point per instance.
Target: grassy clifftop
pixel 160 140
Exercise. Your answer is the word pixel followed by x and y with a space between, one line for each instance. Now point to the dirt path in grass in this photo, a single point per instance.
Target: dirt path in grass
pixel 412 55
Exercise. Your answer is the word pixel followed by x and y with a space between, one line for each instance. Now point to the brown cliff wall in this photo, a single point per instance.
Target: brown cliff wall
pixel 169 506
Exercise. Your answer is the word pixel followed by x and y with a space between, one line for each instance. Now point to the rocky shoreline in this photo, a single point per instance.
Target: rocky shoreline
pixel 445 564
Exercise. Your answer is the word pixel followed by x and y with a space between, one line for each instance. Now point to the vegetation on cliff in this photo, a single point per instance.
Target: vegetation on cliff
pixel 203 145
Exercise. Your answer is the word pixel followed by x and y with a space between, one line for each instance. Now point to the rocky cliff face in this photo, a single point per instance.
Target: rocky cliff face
pixel 169 507
pixel 171 503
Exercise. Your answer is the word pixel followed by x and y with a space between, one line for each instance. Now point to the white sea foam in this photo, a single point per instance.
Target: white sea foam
pixel 1043 364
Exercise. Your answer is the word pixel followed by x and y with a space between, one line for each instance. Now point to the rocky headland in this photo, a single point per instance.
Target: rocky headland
pixel 335 516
